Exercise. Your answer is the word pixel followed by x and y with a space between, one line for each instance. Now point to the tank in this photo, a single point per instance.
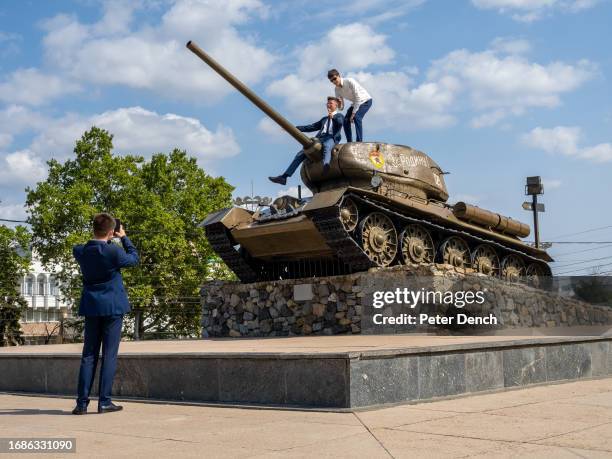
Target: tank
pixel 378 205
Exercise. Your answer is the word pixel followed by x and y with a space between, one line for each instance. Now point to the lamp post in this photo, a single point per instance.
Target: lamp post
pixel 63 316
pixel 533 188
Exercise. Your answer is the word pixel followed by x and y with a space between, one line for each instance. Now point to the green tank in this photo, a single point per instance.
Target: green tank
pixel 378 205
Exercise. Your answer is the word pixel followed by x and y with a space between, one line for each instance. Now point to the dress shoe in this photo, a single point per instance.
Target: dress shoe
pixel 79 410
pixel 110 408
pixel 280 179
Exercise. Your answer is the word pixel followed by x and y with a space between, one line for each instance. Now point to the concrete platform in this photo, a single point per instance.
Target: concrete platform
pixel 335 372
pixel 571 420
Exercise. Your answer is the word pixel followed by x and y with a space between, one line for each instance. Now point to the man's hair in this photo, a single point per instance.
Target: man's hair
pixel 333 98
pixel 332 72
pixel 102 224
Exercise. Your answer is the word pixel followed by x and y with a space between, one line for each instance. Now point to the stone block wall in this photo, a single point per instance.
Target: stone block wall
pixel 343 304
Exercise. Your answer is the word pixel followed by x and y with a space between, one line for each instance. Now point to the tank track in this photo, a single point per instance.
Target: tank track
pixel 221 242
pixel 329 225
pixel 470 236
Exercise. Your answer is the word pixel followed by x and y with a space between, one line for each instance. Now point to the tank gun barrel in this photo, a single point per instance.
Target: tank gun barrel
pixel 260 103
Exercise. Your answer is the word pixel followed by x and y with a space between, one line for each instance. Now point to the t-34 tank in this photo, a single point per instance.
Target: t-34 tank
pixel 378 205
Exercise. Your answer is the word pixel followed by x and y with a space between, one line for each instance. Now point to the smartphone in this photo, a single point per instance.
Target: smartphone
pixel 117 225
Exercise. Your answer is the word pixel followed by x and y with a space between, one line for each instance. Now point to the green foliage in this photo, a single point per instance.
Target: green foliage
pixel 594 289
pixel 14 263
pixel 161 202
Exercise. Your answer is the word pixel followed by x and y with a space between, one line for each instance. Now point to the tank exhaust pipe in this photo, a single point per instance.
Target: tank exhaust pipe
pixel 310 146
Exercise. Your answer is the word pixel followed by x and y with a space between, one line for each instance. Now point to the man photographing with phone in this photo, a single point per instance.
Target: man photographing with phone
pixel 103 303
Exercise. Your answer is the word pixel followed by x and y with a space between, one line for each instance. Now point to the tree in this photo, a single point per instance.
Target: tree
pixel 593 289
pixel 161 202
pixel 14 263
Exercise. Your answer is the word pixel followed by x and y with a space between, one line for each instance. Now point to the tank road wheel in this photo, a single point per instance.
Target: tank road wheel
pixel 349 214
pixel 378 238
pixel 538 275
pixel 416 245
pixel 485 260
pixel 512 268
pixel 455 252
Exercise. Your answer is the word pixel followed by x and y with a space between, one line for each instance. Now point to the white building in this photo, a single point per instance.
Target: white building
pixel 45 310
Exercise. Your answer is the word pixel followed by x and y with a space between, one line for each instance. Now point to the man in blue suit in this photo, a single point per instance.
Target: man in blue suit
pixel 330 133
pixel 103 303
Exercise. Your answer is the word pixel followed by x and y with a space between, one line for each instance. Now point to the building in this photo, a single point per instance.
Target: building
pixel 44 318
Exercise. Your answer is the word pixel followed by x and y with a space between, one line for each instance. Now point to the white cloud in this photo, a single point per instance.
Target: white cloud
pixel 20 168
pixel 513 82
pixel 398 101
pixel 140 131
pixel 9 43
pixel 5 140
pixel 511 45
pixel 503 85
pixel 488 119
pixel 32 87
pixel 565 140
pixel 304 98
pixel 532 10
pixel 15 119
pixel 492 84
pixel 560 139
pixel 601 153
pixel 154 57
pixel 12 212
pixel 371 12
pixel 272 131
pixel 551 184
pixel 403 105
pixel 345 47
pixel 135 130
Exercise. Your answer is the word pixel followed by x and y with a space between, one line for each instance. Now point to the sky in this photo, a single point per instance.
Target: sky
pixel 493 90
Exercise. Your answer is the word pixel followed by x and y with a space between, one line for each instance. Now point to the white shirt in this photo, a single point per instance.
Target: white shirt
pixel 328 124
pixel 351 90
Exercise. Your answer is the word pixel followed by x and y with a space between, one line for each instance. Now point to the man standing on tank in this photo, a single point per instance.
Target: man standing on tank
pixel 350 89
pixel 329 135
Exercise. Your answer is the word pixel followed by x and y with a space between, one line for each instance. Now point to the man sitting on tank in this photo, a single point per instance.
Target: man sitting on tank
pixel 330 133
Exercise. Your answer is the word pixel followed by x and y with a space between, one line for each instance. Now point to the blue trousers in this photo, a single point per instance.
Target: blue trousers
pixel 102 331
pixel 327 142
pixel 363 109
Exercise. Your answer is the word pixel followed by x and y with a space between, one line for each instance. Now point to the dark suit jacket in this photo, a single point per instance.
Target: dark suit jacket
pixel 103 292
pixel 337 122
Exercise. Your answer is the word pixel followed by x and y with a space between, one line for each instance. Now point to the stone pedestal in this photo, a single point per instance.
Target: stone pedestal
pixel 345 304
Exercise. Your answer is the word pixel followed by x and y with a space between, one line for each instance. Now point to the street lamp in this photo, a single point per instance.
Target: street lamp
pixel 63 317
pixel 253 202
pixel 533 188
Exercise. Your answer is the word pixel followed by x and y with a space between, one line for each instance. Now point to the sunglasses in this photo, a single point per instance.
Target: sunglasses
pixel 334 78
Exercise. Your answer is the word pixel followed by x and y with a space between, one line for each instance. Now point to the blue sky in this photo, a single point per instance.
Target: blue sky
pixel 493 90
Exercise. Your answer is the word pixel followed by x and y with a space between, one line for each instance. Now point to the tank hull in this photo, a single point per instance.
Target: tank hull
pixel 314 240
